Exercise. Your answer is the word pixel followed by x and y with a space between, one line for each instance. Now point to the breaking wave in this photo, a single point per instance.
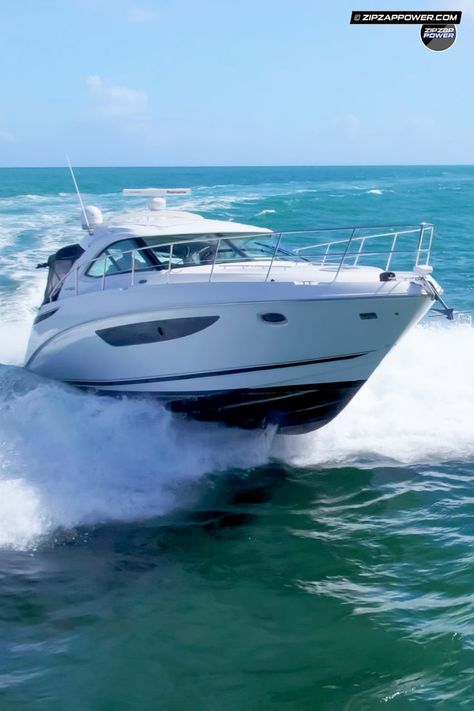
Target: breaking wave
pixel 416 408
pixel 69 458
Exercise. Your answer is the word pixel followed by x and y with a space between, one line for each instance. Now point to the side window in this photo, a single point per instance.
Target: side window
pixel 117 258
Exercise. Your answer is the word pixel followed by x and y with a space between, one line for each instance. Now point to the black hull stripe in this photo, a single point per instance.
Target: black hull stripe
pixel 291 408
pixel 214 373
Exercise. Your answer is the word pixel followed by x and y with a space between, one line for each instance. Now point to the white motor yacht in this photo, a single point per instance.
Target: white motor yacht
pixel 229 322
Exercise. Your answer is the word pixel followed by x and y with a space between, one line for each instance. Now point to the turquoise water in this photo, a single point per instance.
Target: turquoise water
pixel 147 563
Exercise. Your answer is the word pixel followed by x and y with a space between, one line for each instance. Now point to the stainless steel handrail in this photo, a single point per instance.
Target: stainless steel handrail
pixel 215 257
pixel 273 256
pixel 356 239
pixel 423 231
pixel 345 253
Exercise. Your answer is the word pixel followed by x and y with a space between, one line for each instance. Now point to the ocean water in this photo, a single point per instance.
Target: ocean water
pixel 150 563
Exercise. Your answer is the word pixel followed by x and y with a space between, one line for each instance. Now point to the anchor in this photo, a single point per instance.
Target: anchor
pixel 445 310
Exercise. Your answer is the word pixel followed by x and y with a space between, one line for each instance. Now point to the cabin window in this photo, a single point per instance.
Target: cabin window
pixel 117 258
pixel 273 318
pixel 135 334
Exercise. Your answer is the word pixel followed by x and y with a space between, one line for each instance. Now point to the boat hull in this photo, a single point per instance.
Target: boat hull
pixel 292 409
pixel 224 362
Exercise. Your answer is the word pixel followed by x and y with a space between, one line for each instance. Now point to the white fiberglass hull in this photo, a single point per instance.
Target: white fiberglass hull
pixel 291 358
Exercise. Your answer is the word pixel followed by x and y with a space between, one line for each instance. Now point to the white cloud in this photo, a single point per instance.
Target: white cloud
pixel 117 102
pixel 142 15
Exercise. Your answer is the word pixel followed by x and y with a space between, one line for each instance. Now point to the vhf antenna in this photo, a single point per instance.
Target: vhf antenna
pixel 84 213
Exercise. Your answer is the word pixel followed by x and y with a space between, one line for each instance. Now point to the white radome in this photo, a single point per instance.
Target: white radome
pixel 92 217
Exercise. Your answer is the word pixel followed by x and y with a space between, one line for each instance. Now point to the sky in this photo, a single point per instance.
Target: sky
pixel 229 82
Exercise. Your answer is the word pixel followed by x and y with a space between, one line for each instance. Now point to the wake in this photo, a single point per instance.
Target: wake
pixel 69 458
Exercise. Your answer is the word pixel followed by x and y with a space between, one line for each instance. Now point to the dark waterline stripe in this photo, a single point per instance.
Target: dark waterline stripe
pixel 214 373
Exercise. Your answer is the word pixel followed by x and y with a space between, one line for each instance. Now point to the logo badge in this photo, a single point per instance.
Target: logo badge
pixel 438 37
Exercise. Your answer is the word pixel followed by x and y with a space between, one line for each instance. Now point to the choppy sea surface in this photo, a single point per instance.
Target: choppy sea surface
pixel 149 563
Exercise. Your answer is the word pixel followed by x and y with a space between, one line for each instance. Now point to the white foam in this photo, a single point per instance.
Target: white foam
pixel 375 191
pixel 20 514
pixel 19 312
pixel 13 342
pixel 416 408
pixel 36 232
pixel 69 458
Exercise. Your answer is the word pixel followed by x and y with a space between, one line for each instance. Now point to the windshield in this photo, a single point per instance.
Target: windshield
pixel 117 258
pixel 140 254
pixel 219 248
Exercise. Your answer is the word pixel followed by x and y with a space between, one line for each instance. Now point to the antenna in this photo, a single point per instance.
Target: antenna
pixel 84 213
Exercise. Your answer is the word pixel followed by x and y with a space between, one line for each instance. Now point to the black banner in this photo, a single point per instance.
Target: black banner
pixel 405 17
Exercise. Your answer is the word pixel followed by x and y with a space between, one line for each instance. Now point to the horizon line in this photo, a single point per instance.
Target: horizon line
pixel 246 165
